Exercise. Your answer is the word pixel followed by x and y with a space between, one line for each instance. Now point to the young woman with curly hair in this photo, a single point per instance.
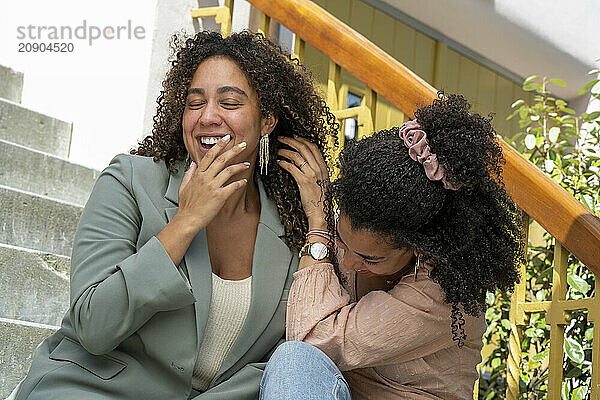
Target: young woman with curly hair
pixel 186 249
pixel 425 229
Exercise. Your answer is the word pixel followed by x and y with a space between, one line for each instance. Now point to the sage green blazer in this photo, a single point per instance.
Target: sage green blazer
pixel 135 322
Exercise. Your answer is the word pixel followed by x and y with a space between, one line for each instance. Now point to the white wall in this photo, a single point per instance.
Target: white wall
pixel 100 88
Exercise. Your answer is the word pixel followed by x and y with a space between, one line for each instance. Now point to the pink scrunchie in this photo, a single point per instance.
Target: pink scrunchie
pixel 418 149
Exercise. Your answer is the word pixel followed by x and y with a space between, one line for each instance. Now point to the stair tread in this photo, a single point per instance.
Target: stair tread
pixel 45 174
pixel 38 222
pixel 33 129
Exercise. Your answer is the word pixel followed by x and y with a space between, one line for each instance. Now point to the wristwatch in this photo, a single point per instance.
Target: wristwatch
pixel 317 250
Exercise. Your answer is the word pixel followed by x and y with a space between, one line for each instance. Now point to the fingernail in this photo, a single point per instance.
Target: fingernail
pixel 226 138
pixel 242 145
pixel 277 161
pixel 247 163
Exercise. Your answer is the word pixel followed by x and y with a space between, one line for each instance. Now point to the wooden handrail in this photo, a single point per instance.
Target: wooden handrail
pixel 563 216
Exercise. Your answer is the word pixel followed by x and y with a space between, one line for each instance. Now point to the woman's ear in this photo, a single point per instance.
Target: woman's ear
pixel 268 123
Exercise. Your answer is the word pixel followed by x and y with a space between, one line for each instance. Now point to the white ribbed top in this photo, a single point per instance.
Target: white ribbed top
pixel 229 307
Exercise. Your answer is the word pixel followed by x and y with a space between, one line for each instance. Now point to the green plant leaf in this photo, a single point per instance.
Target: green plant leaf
pixel 530 141
pixel 574 350
pixel 524 122
pixel 573 373
pixel 490 298
pixel 541 355
pixel 578 283
pixel 579 393
pixel 539 140
pixel 540 295
pixel 588 86
pixel 533 87
pixel 543 274
pixel 558 82
pixel 530 79
pixel 592 116
pixel 517 103
pixel 523 112
pixel 564 393
pixel 553 134
pixel 589 334
pixel 496 363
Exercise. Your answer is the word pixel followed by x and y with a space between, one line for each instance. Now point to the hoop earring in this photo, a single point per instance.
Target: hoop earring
pixel 263 154
pixel 417 266
pixel 186 166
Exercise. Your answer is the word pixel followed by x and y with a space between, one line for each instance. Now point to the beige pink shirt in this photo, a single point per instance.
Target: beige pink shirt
pixel 389 345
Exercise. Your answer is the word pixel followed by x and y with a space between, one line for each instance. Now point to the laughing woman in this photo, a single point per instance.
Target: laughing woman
pixel 425 229
pixel 185 251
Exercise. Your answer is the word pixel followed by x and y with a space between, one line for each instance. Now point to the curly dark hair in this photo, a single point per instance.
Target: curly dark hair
pixel 472 236
pixel 284 88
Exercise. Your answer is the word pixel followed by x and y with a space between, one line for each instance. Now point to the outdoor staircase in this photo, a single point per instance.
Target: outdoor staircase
pixel 41 198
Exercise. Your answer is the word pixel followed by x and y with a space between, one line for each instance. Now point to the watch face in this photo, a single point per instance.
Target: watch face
pixel 318 251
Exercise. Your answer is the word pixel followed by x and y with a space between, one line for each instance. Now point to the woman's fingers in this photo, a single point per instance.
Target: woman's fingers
pixel 213 153
pixel 292 169
pixel 220 162
pixel 316 152
pixel 187 177
pixel 310 153
pixel 293 156
pixel 231 188
pixel 225 175
pixel 301 149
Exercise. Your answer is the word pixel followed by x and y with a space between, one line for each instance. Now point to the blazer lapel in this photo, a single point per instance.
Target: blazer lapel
pixel 270 265
pixel 197 262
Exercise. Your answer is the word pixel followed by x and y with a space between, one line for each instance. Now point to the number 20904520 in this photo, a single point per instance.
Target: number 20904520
pixel 26 47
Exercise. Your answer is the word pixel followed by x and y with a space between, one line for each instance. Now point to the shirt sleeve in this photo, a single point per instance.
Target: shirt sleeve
pixel 380 329
pixel 116 288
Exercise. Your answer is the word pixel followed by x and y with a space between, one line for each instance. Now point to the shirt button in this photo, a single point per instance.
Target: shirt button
pixel 177 367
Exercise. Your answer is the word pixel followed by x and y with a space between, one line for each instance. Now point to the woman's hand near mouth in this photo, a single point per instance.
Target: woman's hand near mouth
pixel 202 194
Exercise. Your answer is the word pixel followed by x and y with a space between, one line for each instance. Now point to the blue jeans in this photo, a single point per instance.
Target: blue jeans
pixel 298 370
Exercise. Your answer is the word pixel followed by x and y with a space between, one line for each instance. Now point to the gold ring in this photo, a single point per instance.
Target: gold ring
pixel 302 164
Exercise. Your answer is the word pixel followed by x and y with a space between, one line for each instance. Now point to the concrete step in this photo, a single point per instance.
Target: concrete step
pixel 31 289
pixel 42 173
pixel 11 84
pixel 32 129
pixel 18 341
pixel 37 222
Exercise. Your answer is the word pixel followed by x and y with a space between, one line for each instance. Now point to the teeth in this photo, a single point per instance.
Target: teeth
pixel 209 139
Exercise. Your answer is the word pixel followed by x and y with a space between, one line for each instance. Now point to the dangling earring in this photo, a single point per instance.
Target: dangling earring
pixel 186 166
pixel 263 154
pixel 417 265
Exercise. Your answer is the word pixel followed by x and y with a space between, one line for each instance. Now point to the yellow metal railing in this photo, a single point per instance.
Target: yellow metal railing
pixel 558 315
pixel 222 15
